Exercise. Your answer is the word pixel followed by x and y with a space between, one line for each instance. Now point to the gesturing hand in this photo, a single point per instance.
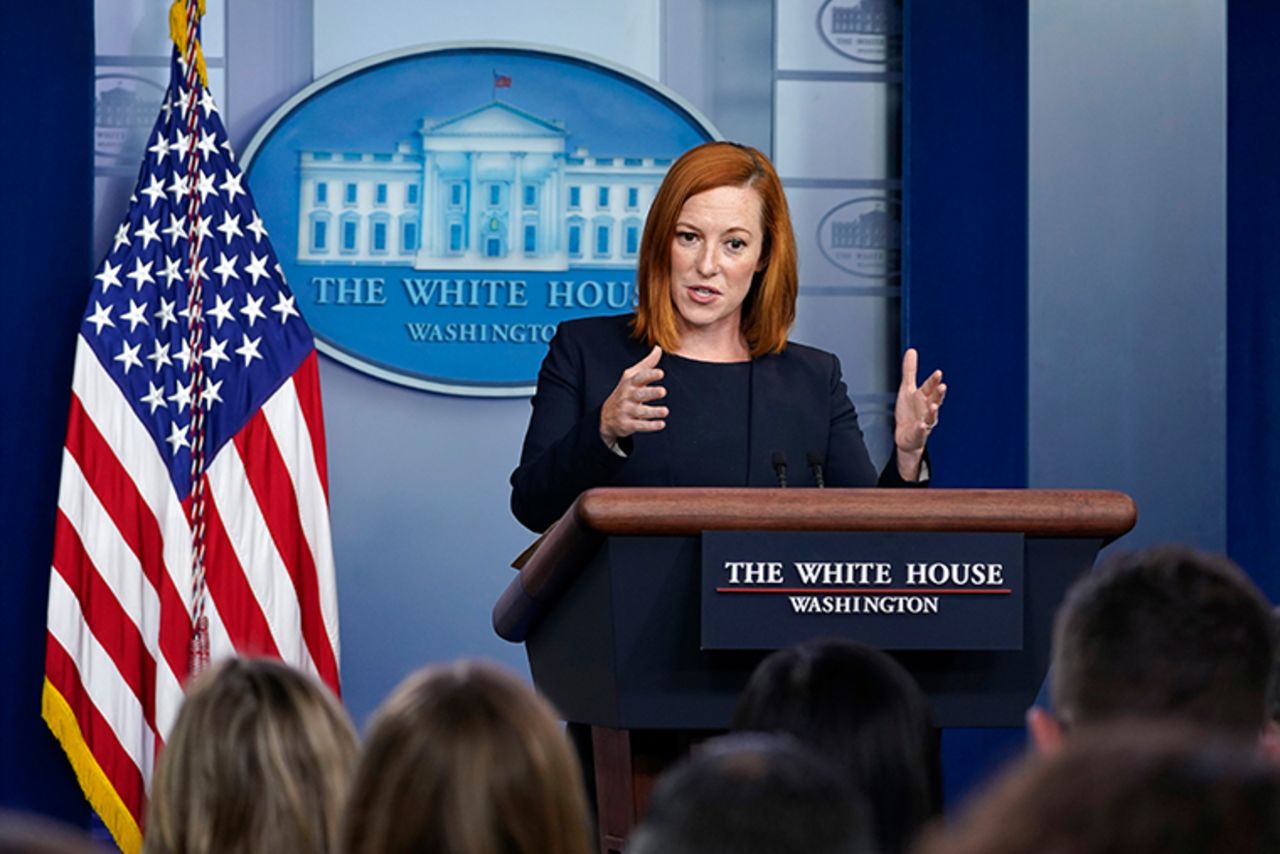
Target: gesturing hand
pixel 915 414
pixel 627 408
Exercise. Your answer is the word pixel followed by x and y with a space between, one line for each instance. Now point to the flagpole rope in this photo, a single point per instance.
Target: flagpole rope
pixel 184 22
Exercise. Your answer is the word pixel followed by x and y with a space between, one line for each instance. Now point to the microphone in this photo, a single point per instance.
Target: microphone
pixel 780 468
pixel 815 465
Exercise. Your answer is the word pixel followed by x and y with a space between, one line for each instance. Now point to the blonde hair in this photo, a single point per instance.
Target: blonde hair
pixel 770 307
pixel 466 759
pixel 260 759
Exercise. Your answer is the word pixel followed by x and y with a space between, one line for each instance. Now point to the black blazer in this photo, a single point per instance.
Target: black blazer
pixel 798 404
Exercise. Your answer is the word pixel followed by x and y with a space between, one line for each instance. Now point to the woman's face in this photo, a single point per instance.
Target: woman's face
pixel 714 255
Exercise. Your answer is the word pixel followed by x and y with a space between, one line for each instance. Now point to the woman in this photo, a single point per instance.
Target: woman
pixel 859 708
pixel 700 387
pixel 259 759
pixel 466 759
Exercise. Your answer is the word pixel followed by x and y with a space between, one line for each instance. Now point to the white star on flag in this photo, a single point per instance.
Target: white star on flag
pixel 181 397
pixel 101 317
pixel 159 357
pixel 204 186
pixel 177 229
pixel 258 229
pixel 154 191
pixel 211 392
pixel 178 437
pixel 284 305
pixel 172 270
pixel 136 314
pixel 164 315
pixel 185 355
pixel 226 269
pixel 161 149
pixel 206 144
pixel 230 226
pixel 221 309
pixel 216 352
pixel 231 186
pixel 178 187
pixel 141 274
pixel 129 356
pixel 249 349
pixel 252 310
pixel 110 276
pixel 257 267
pixel 154 397
pixel 148 232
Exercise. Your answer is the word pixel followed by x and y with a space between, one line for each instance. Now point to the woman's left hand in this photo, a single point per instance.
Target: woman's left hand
pixel 915 414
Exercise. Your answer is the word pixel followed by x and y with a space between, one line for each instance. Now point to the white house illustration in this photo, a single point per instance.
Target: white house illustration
pixel 492 188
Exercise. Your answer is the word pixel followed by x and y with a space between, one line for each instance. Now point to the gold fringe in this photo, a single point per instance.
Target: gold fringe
pixel 178 32
pixel 98 790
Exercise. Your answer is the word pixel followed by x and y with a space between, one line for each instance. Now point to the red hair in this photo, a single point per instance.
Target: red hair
pixel 770 306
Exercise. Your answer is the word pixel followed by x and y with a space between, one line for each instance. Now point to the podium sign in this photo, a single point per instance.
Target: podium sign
pixel 896 591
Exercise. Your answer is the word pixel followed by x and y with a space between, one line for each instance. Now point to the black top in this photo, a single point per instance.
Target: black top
pixel 726 424
pixel 706 401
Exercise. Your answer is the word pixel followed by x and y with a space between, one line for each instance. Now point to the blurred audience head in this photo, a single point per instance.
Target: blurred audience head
pixel 259 759
pixel 753 793
pixel 858 707
pixel 465 758
pixel 1148 789
pixel 1273 688
pixel 1164 633
pixel 30 834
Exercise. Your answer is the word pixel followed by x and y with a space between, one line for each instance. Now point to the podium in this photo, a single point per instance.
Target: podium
pixel 608 607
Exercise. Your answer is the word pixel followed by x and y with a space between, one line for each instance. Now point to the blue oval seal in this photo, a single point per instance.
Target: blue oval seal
pixel 867 31
pixel 863 236
pixel 439 210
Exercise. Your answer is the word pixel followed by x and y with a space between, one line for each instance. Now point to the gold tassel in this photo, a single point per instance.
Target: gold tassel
pixel 102 796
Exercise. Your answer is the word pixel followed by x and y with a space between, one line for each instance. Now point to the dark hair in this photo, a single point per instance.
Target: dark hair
pixel 1273 687
pixel 465 758
pixel 1136 789
pixel 770 307
pixel 859 707
pixel 1165 632
pixel 752 794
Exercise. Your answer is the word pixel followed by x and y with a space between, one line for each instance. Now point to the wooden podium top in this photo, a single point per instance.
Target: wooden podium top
pixel 620 511
pixel 688 511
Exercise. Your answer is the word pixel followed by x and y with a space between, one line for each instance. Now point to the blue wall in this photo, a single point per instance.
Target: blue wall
pixel 1127 246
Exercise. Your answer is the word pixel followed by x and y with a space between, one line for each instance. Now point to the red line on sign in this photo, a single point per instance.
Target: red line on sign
pixel 944 591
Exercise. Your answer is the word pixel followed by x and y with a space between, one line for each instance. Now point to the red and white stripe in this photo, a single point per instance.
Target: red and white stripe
pixel 119 620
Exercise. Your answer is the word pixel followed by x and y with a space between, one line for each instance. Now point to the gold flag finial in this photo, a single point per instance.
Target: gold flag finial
pixel 180 28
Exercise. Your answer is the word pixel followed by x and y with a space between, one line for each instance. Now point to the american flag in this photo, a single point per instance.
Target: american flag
pixel 194 462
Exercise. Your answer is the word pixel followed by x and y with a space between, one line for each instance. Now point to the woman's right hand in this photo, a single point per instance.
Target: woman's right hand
pixel 627 409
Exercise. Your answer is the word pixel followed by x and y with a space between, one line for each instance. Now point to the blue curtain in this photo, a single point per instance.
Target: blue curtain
pixel 46 154
pixel 1253 290
pixel 965 264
